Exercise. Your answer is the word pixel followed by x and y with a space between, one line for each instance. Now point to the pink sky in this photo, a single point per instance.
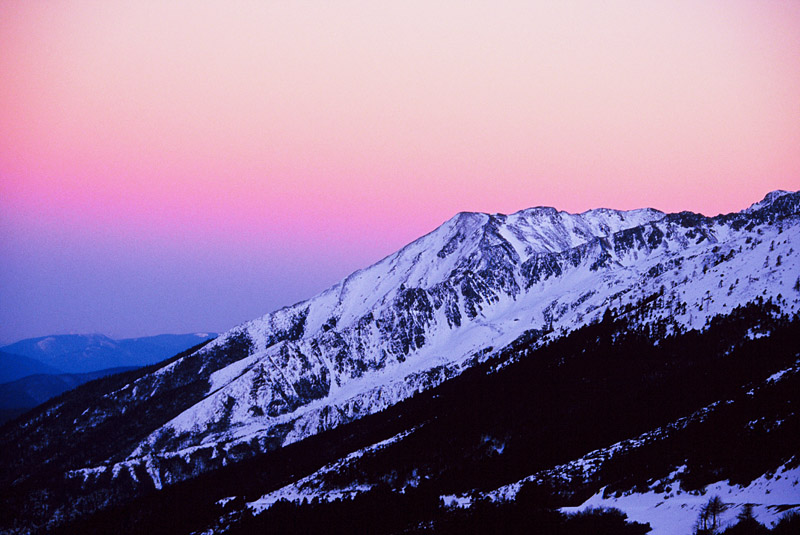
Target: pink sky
pixel 178 166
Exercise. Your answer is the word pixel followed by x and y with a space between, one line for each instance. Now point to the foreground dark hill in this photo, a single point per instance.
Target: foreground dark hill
pixel 493 354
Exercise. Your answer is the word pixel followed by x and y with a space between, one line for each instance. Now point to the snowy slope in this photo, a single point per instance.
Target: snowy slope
pixel 771 496
pixel 448 300
pixel 666 504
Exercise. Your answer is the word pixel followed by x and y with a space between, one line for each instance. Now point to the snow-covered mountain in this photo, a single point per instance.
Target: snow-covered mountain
pixel 443 302
pixel 480 290
pixel 477 282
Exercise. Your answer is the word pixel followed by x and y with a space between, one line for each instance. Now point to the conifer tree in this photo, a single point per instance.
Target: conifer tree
pixel 708 523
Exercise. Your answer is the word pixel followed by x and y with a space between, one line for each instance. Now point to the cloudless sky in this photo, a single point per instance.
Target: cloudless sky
pixel 186 166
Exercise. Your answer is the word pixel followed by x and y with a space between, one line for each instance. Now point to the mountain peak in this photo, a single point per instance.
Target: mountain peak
pixel 480 290
pixel 769 199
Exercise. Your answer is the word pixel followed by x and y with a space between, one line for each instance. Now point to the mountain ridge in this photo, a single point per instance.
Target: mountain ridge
pixel 86 353
pixel 478 289
pixel 362 358
pixel 15 367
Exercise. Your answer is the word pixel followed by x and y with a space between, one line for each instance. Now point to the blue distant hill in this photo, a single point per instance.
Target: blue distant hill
pixel 13 367
pixel 17 397
pixel 37 369
pixel 83 353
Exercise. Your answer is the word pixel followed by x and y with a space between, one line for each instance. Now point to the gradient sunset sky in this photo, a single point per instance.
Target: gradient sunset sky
pixel 186 166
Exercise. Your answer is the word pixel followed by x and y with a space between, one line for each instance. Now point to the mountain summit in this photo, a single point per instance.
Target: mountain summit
pixel 481 290
pixel 476 283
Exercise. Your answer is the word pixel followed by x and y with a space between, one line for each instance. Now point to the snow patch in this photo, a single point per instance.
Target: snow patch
pixel 676 513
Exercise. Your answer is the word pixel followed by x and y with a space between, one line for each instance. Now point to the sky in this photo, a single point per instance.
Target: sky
pixel 186 166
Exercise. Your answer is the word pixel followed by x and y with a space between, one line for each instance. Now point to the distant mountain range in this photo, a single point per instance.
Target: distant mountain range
pixel 497 375
pixel 84 353
pixel 21 395
pixel 32 370
pixel 13 367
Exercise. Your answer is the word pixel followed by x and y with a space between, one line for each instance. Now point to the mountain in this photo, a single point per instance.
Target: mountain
pixel 83 353
pixel 13 367
pixel 17 397
pixel 496 352
pixel 26 378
